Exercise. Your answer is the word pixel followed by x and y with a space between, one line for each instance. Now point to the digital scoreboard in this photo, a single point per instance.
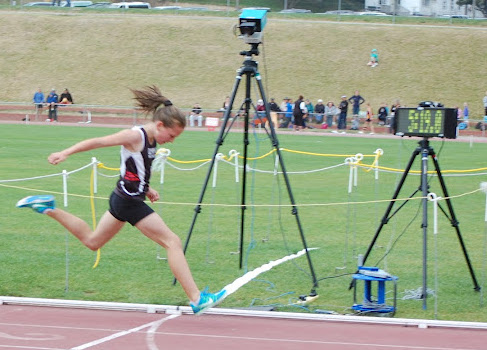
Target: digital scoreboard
pixel 426 122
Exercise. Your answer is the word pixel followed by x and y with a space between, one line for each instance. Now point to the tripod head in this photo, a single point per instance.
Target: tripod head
pixel 254 50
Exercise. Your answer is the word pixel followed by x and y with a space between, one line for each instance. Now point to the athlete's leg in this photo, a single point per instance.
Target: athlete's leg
pixel 106 229
pixel 156 229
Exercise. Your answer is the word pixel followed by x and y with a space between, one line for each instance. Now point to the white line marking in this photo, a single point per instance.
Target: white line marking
pixel 32 336
pixel 152 330
pixel 299 341
pixel 28 347
pixel 249 276
pixel 113 336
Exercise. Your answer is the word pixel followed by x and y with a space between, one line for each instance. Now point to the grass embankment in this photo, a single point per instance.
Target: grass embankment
pixel 99 55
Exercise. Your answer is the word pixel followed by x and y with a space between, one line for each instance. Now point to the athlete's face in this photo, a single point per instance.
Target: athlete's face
pixel 165 135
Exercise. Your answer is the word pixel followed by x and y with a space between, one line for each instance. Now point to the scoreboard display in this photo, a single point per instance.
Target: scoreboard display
pixel 426 122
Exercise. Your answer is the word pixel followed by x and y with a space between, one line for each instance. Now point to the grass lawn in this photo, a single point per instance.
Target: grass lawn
pixel 39 259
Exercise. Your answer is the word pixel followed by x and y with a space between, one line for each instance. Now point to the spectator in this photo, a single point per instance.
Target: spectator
pixel 319 111
pixel 369 121
pixel 465 113
pixel 356 100
pixel 260 116
pixel 275 110
pixel 484 100
pixel 382 114
pixel 331 111
pixel 273 106
pixel 393 121
pixel 226 103
pixel 38 100
pixel 342 119
pixel 310 118
pixel 287 107
pixel 196 115
pixel 66 98
pixel 374 58
pixel 299 112
pixel 52 103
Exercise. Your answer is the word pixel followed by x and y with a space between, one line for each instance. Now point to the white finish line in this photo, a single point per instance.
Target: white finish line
pixel 249 276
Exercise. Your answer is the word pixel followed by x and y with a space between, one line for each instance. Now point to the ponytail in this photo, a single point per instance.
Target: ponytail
pixel 150 98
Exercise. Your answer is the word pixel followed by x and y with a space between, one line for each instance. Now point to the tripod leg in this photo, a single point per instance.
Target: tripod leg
pixel 219 142
pixel 453 220
pixel 243 207
pixel 424 224
pixel 385 218
pixel 275 144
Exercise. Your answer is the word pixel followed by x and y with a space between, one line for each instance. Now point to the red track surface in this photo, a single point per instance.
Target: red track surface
pixel 46 328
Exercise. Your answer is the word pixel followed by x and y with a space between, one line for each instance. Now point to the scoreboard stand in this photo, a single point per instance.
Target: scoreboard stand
pixel 425 150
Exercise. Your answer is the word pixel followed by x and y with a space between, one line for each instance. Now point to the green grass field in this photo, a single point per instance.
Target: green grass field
pixel 36 253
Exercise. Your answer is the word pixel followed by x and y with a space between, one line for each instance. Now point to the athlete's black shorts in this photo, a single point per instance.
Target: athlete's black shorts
pixel 129 210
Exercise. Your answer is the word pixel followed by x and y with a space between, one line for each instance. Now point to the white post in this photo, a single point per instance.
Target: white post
pixel 379 152
pixel 65 187
pixel 94 163
pixel 433 198
pixel 349 161
pixel 219 157
pixel 234 153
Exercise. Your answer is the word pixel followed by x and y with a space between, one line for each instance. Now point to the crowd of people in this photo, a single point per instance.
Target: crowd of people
pixel 301 113
pixel 52 102
pixel 296 114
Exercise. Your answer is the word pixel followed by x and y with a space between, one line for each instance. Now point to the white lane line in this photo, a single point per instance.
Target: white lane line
pixel 151 344
pixel 113 336
pixel 302 341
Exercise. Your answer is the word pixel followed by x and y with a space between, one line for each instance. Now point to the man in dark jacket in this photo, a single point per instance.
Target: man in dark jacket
pixel 319 111
pixel 342 119
pixel 356 100
pixel 52 101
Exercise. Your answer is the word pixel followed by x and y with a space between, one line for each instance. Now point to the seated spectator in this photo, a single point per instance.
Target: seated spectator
pixel 260 116
pixel 52 103
pixel 319 111
pixel 309 118
pixel 382 114
pixel 374 58
pixel 331 111
pixel 196 115
pixel 66 98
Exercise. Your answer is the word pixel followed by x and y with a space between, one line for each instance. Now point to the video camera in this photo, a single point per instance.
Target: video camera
pixel 251 25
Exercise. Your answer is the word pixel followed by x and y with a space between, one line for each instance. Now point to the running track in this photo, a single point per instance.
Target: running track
pixel 25 326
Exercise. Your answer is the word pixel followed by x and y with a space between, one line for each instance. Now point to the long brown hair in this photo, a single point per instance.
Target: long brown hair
pixel 150 99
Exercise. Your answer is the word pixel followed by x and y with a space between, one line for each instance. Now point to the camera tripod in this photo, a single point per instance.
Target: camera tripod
pixel 426 151
pixel 249 70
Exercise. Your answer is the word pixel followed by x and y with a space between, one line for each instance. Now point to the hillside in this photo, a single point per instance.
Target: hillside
pixel 98 56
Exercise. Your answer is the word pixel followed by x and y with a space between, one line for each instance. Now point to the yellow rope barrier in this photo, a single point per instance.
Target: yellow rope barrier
pixel 254 205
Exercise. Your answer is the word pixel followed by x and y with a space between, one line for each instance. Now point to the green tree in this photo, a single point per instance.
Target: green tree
pixel 480 5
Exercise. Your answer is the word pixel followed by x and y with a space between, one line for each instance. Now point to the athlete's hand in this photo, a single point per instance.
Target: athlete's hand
pixel 152 194
pixel 57 157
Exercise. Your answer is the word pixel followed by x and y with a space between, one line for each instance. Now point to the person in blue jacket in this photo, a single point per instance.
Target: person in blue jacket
pixel 38 100
pixel 52 102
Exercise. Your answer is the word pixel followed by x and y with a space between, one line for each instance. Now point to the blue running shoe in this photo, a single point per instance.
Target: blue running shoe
pixel 208 300
pixel 40 204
